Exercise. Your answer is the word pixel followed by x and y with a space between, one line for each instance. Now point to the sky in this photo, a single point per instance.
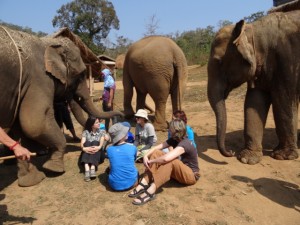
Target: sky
pixel 171 15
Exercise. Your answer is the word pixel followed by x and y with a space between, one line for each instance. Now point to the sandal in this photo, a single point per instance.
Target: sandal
pixel 149 197
pixel 138 193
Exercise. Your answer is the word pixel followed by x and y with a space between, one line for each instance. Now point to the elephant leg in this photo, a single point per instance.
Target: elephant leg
pixel 285 112
pixel 128 94
pixel 140 100
pixel 257 104
pixel 38 123
pixel 28 174
pixel 160 122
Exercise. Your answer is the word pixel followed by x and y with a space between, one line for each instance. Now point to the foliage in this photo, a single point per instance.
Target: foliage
pixel 223 23
pixel 23 29
pixel 121 46
pixel 253 17
pixel 196 44
pixel 91 20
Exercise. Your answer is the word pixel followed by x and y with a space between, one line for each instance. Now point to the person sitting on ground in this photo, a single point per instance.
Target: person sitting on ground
pixel 145 136
pixel 19 151
pixel 161 167
pixel 123 174
pixel 130 136
pixel 180 114
pixel 91 143
pixel 62 116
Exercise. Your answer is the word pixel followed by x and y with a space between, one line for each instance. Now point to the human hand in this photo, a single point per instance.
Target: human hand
pixel 109 105
pixel 90 150
pixel 146 162
pixel 21 152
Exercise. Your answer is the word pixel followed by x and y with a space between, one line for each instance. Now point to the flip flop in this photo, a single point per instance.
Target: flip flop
pixel 137 193
pixel 149 197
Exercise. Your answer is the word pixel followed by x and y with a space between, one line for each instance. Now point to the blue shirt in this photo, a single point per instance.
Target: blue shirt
pixel 189 134
pixel 123 173
pixel 130 137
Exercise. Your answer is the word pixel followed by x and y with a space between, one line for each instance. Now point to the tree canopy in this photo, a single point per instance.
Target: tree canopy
pixel 92 20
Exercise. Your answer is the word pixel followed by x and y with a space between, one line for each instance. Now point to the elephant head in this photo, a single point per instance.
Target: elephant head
pixel 232 62
pixel 64 61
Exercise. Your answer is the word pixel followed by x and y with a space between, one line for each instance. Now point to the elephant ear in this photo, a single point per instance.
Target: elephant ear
pixel 55 62
pixel 244 47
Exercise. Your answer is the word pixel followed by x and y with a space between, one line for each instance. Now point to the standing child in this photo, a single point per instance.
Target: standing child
pixel 91 143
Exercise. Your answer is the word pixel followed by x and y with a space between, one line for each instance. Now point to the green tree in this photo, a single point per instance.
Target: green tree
pixel 121 46
pixel 196 44
pixel 223 23
pixel 23 29
pixel 253 17
pixel 92 20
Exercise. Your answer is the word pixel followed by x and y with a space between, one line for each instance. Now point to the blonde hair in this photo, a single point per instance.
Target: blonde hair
pixel 177 129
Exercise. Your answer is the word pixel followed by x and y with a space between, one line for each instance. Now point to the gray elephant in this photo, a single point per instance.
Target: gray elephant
pixel 156 66
pixel 34 73
pixel 266 55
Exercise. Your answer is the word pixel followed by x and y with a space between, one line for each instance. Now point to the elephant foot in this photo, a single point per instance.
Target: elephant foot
pixel 128 114
pixel 56 165
pixel 28 175
pixel 250 157
pixel 284 154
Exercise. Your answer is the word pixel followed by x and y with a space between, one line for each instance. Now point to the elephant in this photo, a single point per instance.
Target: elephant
pixel 34 73
pixel 266 55
pixel 154 65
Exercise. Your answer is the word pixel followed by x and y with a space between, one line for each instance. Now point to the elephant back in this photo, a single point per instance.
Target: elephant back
pixel 13 49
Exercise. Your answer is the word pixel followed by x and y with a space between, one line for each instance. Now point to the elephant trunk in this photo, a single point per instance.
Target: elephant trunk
pixel 77 112
pixel 90 108
pixel 216 96
pixel 82 97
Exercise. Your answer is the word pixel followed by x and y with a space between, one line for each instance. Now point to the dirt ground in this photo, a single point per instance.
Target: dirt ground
pixel 228 192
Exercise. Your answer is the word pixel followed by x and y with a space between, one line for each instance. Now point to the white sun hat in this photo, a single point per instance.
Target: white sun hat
pixel 142 113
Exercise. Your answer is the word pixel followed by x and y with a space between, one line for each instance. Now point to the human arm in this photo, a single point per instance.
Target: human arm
pixel 89 149
pixel 136 140
pixel 19 151
pixel 150 141
pixel 102 139
pixel 165 158
pixel 175 153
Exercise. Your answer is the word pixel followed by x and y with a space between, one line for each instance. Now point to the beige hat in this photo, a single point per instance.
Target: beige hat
pixel 117 132
pixel 142 113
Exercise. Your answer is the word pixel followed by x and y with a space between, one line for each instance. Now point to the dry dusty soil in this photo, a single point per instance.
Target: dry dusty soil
pixel 228 192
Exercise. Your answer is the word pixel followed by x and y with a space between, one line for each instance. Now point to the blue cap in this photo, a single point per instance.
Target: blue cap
pixel 106 72
pixel 102 126
pixel 126 124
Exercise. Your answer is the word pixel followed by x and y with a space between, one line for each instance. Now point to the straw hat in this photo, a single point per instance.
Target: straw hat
pixel 142 113
pixel 117 132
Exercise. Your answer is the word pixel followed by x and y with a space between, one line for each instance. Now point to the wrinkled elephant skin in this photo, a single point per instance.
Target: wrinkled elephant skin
pixel 34 73
pixel 265 55
pixel 155 66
